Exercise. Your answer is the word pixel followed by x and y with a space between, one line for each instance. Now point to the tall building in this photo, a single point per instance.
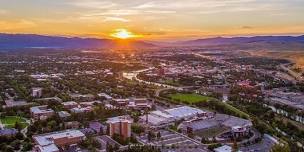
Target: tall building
pixel 120 125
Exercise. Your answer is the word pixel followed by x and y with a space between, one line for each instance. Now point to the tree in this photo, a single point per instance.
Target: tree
pixel 158 135
pixel 280 148
pixel 19 135
pixel 18 126
pixel 151 136
pixel 27 146
pixel 235 146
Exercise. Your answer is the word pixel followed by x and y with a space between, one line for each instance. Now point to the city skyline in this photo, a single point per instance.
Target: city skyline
pixel 153 20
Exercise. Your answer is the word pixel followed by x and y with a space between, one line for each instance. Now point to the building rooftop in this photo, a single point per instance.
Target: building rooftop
pixel 48 138
pixel 48 148
pixel 41 109
pixel 8 132
pixel 184 111
pixel 125 118
pixel 224 148
pixel 108 97
pixel 63 114
pixel 69 103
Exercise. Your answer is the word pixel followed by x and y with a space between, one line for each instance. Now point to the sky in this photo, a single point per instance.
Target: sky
pixel 153 19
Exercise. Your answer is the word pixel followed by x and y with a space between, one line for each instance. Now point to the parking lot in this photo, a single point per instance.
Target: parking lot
pixel 170 140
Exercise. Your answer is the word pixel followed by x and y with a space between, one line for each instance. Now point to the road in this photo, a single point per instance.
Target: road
pixel 296 75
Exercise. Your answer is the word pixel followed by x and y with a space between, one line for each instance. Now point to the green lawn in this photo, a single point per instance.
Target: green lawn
pixel 9 121
pixel 188 97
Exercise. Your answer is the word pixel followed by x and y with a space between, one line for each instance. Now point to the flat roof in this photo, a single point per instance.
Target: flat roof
pixel 184 111
pixel 125 118
pixel 224 148
pixel 69 103
pixel 47 139
pixel 48 148
pixel 41 109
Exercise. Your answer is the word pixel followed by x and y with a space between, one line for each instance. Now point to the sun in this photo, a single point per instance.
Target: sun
pixel 123 34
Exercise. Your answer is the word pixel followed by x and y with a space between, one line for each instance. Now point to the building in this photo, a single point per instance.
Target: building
pixel 64 114
pixel 57 141
pixel 185 112
pixel 160 119
pixel 97 127
pixel 224 148
pixel 8 132
pixel 71 125
pixel 120 125
pixel 37 92
pixel 133 103
pixel 11 103
pixel 104 95
pixel 41 112
pixel 121 102
pixel 70 104
pixel 105 141
pixel 85 97
pixel 91 103
pixel 233 126
pixel 139 103
pixel 80 109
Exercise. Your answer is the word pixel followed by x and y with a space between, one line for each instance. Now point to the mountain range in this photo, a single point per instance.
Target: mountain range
pixel 16 41
pixel 243 40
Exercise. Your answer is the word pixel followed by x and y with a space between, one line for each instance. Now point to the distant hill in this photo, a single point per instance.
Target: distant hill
pixel 238 40
pixel 15 41
pixel 20 41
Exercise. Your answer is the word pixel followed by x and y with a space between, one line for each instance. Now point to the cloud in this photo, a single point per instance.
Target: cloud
pixel 159 12
pixel 95 4
pixel 18 24
pixel 117 19
pixel 247 27
pixel 115 12
pixel 145 5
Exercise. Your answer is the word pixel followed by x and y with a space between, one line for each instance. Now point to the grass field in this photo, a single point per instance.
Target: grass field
pixel 188 97
pixel 9 121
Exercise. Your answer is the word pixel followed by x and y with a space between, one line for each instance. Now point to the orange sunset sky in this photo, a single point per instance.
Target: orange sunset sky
pixel 153 19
